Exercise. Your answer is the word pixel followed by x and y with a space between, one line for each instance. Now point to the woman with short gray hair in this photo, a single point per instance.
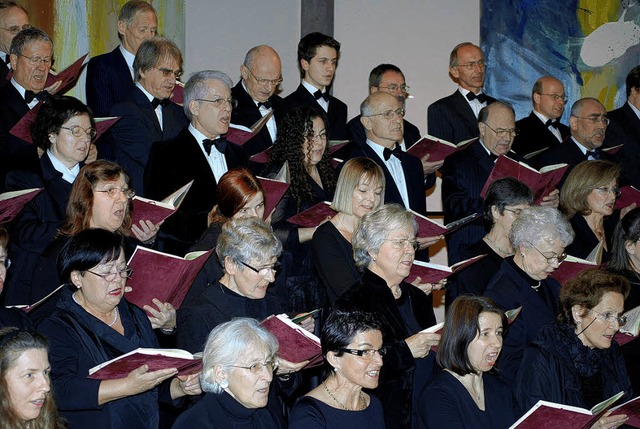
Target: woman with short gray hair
pixel 237 369
pixel 538 237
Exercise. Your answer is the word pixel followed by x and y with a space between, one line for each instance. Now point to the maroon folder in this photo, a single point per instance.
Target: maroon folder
pixel 313 216
pixel 437 149
pixel 154 358
pixel 11 203
pixel 296 345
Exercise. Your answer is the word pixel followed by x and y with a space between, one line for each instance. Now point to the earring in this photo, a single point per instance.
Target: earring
pixel 224 384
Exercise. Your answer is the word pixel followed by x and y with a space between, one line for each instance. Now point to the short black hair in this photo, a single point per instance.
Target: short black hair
pixel 633 79
pixel 53 113
pixel 310 43
pixel 375 77
pixel 627 230
pixel 342 326
pixel 87 249
pixel 507 191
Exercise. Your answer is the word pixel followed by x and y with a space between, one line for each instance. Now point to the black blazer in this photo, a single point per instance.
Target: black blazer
pixel 337 114
pixel 108 81
pixel 535 135
pixel 585 240
pixel 174 163
pixel 452 119
pixel 624 128
pixel 35 227
pixel 137 130
pixel 247 114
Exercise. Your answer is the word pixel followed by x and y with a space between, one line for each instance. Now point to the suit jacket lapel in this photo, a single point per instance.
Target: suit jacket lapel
pixel 196 157
pixel 140 98
pixel 465 111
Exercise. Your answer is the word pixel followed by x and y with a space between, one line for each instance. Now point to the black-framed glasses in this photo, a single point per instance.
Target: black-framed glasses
pixel 389 114
pixel 610 317
pixel 112 192
pixel 263 82
pixel 403 243
pixel 109 277
pixel 221 102
pixel 502 133
pixel 594 119
pixel 15 29
pixel 473 64
pixel 78 131
pixel 264 271
pixel 556 97
pixel 256 368
pixel 558 259
pixel 36 61
pixel 365 353
pixel 168 72
pixel 605 190
pixel 393 87
pixel 516 212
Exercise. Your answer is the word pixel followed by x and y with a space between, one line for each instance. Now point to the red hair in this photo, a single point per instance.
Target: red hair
pixel 235 188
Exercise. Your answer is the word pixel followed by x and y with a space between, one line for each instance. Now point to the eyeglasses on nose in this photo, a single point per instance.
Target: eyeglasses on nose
pixel 109 277
pixel 112 192
pixel 256 368
pixel 78 131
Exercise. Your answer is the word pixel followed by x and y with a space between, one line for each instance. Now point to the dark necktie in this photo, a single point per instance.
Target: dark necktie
pixel 157 102
pixel 555 123
pixel 219 143
pixel 29 96
pixel 595 154
pixel 388 152
pixel 319 94
pixel 482 98
pixel 267 105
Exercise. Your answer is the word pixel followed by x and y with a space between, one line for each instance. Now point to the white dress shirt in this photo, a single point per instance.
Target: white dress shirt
pixel 394 166
pixel 312 89
pixel 216 160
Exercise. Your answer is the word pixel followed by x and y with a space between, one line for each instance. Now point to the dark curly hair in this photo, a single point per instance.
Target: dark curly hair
pixel 52 116
pixel 296 127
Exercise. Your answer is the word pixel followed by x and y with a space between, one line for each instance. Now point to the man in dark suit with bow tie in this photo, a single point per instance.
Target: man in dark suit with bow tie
pixel 197 153
pixel 110 76
pixel 31 57
pixel 454 118
pixel 256 96
pixel 318 60
pixel 147 114
pixel 542 128
pixel 13 19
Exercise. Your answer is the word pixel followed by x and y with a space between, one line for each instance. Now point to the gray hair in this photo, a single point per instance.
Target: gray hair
pixel 453 57
pixel 576 108
pixel 485 112
pixel 131 9
pixel 26 36
pixel 229 341
pixel 366 107
pixel 152 51
pixel 8 4
pixel 537 224
pixel 243 240
pixel 196 87
pixel 375 227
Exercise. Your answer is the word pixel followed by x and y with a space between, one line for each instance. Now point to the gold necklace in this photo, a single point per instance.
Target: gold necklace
pixel 343 406
pixel 495 246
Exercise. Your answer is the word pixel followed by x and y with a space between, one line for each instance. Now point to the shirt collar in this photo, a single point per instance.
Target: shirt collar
pixel 128 56
pixel 68 174
pixel 465 91
pixel 377 148
pixel 245 90
pixel 198 135
pixel 149 96
pixel 19 87
pixel 540 116
pixel 312 89
pixel 580 146
pixel 635 109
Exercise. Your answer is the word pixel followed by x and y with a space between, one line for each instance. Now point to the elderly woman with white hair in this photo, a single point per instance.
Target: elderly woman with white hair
pixel 538 237
pixel 237 369
pixel 384 246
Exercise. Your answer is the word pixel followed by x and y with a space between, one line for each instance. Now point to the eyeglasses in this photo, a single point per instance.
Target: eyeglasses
pixel 36 61
pixel 403 243
pixel 594 119
pixel 322 137
pixel 516 212
pixel 168 72
pixel 263 82
pixel 556 97
pixel 366 353
pixel 550 260
pixel 5 264
pixel 78 131
pixel 109 277
pixel 610 318
pixel 112 192
pixel 256 368
pixel 264 271
pixel 502 133
pixel 16 29
pixel 393 87
pixel 606 190
pixel 219 103
pixel 389 114
pixel 472 65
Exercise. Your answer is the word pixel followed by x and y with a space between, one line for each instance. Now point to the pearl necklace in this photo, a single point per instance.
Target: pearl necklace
pixel 343 406
pixel 495 246
pixel 115 319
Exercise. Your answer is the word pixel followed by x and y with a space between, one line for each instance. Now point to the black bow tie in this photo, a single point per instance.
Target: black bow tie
pixel 267 105
pixel 29 96
pixel 555 123
pixel 482 98
pixel 319 94
pixel 595 154
pixel 219 143
pixel 157 102
pixel 388 152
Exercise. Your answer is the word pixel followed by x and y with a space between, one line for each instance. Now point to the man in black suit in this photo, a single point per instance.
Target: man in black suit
pixel 256 95
pixel 624 128
pixel 318 59
pixel 31 56
pixel 110 76
pixel 13 19
pixel 588 123
pixel 542 128
pixel 389 78
pixel 147 114
pixel 197 153
pixel 454 118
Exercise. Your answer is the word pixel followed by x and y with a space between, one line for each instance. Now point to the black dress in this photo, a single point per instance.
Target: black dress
pixel 446 403
pixel 585 240
pixel 15 318
pixel 309 413
pixel 401 374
